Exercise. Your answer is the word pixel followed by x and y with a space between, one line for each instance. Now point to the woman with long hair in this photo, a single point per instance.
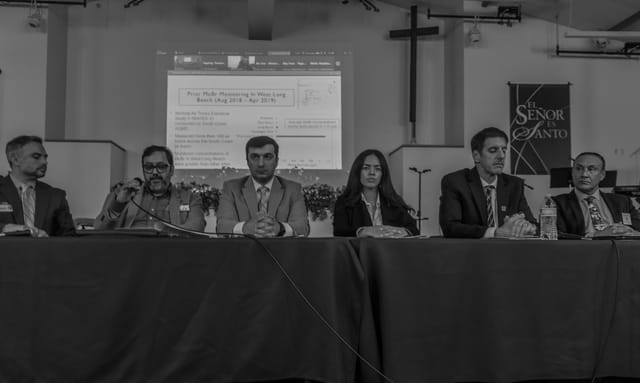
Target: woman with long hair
pixel 369 205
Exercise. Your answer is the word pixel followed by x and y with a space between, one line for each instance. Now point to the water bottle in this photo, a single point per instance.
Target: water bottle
pixel 548 218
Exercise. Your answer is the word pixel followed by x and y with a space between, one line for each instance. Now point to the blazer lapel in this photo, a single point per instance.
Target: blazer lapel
pixel 42 206
pixel 174 206
pixel 478 193
pixel 10 193
pixel 132 210
pixel 576 211
pixel 275 196
pixel 502 199
pixel 616 215
pixel 249 194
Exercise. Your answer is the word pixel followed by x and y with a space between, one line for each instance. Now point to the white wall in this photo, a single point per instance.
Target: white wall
pixel 604 94
pixel 111 65
pixel 23 62
pixel 78 167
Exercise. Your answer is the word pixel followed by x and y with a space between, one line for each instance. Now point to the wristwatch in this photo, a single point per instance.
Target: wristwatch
pixel 282 229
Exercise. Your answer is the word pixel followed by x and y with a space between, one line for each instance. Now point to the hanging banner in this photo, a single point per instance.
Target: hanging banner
pixel 540 131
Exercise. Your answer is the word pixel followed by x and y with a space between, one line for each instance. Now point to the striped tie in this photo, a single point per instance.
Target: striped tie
pixel 264 199
pixel 491 220
pixel 28 205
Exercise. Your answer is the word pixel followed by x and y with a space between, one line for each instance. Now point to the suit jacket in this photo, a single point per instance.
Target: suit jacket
pixel 348 218
pixel 571 218
pixel 239 203
pixel 52 209
pixel 463 210
pixel 191 220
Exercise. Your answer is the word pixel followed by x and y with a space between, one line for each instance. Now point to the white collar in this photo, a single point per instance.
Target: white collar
pixel 367 202
pixel 485 183
pixel 581 196
pixel 18 184
pixel 257 185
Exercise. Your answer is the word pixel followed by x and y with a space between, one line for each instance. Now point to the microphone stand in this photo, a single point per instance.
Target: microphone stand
pixel 420 173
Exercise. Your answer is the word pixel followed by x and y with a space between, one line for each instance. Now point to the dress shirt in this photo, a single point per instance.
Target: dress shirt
pixel 374 211
pixel 375 215
pixel 491 231
pixel 21 186
pixel 156 205
pixel 607 218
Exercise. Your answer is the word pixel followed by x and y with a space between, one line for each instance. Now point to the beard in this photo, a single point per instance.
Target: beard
pixel 157 185
pixel 38 172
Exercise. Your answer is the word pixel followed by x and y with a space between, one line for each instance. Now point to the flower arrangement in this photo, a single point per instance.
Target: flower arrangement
pixel 320 199
pixel 210 195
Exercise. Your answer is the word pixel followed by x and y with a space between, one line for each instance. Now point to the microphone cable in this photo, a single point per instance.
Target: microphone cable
pixel 293 284
pixel 605 338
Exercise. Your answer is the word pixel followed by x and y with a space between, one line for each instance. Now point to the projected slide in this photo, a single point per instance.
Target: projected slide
pixel 212 113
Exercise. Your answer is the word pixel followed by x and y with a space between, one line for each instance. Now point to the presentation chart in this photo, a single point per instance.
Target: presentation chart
pixel 211 115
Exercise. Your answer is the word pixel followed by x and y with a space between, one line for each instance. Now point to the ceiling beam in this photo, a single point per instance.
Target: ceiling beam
pixel 46 2
pixel 624 24
pixel 261 19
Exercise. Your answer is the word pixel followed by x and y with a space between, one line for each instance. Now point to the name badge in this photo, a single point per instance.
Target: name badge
pixel 626 218
pixel 185 208
pixel 5 207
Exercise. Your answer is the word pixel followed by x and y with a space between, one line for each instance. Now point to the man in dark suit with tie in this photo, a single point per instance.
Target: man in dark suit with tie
pixel 586 210
pixel 25 202
pixel 482 201
pixel 262 204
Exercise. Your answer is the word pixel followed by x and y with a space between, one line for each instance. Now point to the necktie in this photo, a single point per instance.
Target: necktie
pixel 28 205
pixel 264 199
pixel 594 214
pixel 491 220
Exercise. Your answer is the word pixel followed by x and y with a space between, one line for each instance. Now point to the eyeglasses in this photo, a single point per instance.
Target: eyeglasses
pixel 160 167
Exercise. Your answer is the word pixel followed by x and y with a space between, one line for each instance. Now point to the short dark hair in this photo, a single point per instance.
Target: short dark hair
pixel 149 150
pixel 593 154
pixel 260 141
pixel 477 141
pixel 18 143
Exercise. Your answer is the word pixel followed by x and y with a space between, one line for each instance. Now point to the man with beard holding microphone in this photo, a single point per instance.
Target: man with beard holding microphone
pixel 483 202
pixel 156 195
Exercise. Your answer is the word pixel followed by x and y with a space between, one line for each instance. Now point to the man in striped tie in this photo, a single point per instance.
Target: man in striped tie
pixel 483 202
pixel 262 204
pixel 27 204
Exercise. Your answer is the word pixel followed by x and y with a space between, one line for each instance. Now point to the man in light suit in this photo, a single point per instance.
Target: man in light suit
pixel 262 204
pixel 156 195
pixel 25 202
pixel 586 210
pixel 482 202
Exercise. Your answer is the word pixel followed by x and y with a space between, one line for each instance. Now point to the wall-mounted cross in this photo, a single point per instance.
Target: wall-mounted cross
pixel 413 33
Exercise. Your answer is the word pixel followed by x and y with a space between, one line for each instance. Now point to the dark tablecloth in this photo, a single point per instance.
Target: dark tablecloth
pixel 502 311
pixel 175 310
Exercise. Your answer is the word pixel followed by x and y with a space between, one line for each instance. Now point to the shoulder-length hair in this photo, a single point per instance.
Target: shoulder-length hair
pixel 386 191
